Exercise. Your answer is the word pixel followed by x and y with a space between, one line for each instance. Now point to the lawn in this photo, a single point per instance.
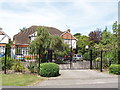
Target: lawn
pixel 19 79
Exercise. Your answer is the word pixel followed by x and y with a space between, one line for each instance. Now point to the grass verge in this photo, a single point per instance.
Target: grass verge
pixel 20 79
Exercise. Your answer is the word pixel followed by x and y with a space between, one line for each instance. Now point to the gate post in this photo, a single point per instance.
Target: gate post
pixel 90 58
pixel 70 60
pixel 50 55
pixel 101 62
pixel 5 60
pixel 39 61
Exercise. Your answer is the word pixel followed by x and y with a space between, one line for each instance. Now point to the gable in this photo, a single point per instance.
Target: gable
pixel 4 38
pixel 67 35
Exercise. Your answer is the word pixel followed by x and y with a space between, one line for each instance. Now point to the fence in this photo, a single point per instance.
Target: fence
pixel 16 57
pixel 98 59
pixel 103 59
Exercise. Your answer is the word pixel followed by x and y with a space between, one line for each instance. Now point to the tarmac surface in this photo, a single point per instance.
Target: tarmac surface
pixel 81 79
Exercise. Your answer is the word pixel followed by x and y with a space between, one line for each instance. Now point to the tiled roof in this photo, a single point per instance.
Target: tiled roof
pixel 1 33
pixel 23 37
pixel 54 31
pixel 67 35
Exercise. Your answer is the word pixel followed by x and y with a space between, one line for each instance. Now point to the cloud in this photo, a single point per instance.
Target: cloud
pixel 80 15
pixel 59 0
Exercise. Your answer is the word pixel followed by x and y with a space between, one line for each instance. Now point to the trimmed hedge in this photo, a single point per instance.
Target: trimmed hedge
pixel 115 69
pixel 49 69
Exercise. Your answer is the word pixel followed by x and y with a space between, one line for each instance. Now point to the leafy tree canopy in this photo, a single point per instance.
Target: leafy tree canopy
pixel 95 36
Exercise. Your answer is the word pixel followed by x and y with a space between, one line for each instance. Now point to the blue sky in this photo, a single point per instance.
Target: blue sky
pixel 81 16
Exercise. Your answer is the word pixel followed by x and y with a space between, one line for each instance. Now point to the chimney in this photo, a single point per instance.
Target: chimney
pixel 0 28
pixel 68 30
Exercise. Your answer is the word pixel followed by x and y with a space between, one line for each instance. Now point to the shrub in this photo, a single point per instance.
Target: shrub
pixel 9 62
pixel 33 67
pixel 49 69
pixel 97 59
pixel 115 68
pixel 18 67
pixel 86 56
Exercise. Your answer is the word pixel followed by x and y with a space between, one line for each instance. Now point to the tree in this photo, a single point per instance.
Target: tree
pixel 108 44
pixel 77 35
pixel 95 36
pixel 81 43
pixel 46 41
pixel 58 46
pixel 106 37
pixel 42 41
pixel 21 30
pixel 115 28
pixel 116 31
pixel 119 44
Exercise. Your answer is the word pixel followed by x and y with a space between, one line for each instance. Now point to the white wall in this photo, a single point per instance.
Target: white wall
pixel 33 36
pixel 71 41
pixel 12 52
pixel 2 49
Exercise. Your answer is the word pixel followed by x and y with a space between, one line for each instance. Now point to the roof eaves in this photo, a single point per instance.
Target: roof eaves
pixel 5 34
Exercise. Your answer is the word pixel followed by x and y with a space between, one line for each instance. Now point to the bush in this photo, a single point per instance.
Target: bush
pixel 97 59
pixel 86 56
pixel 33 67
pixel 18 67
pixel 115 68
pixel 9 62
pixel 49 69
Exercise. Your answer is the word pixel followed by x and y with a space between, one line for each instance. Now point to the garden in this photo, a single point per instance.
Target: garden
pixel 103 45
pixel 21 73
pixel 18 74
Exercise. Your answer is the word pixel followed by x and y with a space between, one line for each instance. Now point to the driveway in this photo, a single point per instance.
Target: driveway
pixel 80 79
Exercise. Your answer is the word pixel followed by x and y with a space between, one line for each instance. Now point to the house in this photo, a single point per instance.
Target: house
pixel 4 39
pixel 22 39
pixel 69 39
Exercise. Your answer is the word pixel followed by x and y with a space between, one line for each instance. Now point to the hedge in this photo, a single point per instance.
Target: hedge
pixel 115 69
pixel 49 69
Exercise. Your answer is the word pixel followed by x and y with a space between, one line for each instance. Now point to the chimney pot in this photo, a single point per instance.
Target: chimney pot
pixel 68 30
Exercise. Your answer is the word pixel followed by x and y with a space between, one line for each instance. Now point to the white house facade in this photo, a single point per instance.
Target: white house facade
pixel 4 39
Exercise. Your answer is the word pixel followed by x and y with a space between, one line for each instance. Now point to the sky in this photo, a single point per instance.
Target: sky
pixel 81 16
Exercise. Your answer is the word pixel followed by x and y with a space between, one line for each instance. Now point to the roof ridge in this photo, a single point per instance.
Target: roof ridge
pixel 23 37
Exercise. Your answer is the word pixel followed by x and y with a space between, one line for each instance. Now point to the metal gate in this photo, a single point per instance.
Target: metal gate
pixel 91 63
pixel 75 65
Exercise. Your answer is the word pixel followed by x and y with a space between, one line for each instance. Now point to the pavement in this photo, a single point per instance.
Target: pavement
pixel 80 79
